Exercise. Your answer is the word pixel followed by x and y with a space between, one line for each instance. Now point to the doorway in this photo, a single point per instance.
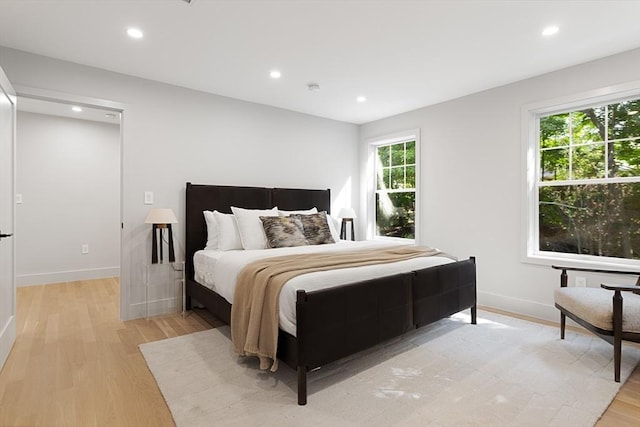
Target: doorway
pixel 7 223
pixel 68 191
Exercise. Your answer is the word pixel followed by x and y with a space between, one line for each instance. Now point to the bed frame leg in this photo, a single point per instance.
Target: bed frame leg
pixel 474 307
pixel 302 385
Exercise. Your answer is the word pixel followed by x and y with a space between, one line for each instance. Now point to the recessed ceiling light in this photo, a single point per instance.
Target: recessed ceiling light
pixel 313 87
pixel 275 74
pixel 551 30
pixel 361 98
pixel 76 108
pixel 135 33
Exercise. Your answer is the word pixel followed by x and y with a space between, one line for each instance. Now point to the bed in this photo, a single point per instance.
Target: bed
pixel 335 322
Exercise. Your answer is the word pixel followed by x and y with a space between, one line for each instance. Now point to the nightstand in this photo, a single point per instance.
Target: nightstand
pixel 164 286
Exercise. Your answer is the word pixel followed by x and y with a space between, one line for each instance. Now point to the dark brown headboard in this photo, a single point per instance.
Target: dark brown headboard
pixel 221 197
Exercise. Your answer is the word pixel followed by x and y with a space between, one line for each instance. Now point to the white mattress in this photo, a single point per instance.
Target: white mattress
pixel 218 270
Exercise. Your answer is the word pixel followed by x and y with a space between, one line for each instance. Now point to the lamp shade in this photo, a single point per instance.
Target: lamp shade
pixel 347 213
pixel 161 216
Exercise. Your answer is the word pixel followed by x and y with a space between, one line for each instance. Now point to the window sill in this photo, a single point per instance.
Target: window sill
pixel 581 261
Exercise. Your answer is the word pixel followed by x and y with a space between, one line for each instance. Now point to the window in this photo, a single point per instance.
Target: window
pixel 584 203
pixel 395 189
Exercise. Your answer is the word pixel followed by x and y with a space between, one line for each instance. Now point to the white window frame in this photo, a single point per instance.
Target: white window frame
pixel 530 163
pixel 372 144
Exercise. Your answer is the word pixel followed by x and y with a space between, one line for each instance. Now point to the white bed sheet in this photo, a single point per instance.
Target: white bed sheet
pixel 218 270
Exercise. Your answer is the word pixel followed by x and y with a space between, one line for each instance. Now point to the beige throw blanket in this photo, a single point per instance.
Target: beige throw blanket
pixel 255 310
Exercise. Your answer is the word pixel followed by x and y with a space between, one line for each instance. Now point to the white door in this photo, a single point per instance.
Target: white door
pixel 7 206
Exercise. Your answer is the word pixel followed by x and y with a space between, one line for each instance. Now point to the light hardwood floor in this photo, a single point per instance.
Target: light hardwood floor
pixel 75 363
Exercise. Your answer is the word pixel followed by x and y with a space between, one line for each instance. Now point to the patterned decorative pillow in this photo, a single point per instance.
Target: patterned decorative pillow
pixel 283 231
pixel 316 229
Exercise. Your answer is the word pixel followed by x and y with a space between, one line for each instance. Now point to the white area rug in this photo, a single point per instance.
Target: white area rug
pixel 503 371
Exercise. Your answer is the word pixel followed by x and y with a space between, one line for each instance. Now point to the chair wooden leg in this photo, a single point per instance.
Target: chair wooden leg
pixel 617 333
pixel 617 357
pixel 563 323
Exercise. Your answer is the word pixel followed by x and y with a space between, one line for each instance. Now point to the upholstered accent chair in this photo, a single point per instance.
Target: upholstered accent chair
pixel 602 311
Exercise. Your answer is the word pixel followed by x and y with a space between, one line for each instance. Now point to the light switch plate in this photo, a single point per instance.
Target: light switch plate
pixel 18 198
pixel 148 197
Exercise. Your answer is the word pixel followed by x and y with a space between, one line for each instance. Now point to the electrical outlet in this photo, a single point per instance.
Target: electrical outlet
pixel 148 197
pixel 85 248
pixel 581 282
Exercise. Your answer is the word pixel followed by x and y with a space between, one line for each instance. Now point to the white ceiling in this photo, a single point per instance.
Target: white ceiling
pixel 401 55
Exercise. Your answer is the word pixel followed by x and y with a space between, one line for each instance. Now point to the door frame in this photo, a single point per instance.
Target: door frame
pixel 90 102
pixel 8 331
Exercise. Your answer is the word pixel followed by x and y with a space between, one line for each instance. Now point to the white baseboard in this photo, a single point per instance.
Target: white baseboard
pixel 519 306
pixel 66 276
pixel 7 338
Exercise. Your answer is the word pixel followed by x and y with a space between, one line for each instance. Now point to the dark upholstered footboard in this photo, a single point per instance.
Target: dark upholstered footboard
pixel 337 322
pixel 439 292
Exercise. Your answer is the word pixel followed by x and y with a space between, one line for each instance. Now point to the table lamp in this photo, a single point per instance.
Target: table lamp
pixel 161 220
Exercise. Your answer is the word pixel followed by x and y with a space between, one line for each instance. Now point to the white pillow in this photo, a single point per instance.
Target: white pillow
pixel 334 226
pixel 302 212
pixel 212 230
pixel 228 235
pixel 250 227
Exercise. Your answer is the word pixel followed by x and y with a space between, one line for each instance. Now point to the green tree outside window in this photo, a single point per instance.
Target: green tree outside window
pixel 589 181
pixel 396 190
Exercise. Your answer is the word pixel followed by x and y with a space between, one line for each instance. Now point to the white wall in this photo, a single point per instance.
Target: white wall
pixel 472 178
pixel 173 135
pixel 68 173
